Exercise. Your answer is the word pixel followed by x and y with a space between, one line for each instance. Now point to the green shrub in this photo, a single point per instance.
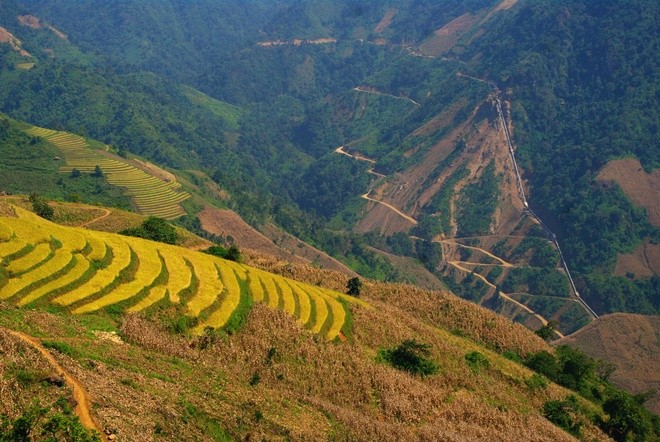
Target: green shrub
pixel 61 347
pixel 476 361
pixel 155 229
pixel 232 253
pixel 410 356
pixel 40 207
pixel 564 414
pixel 536 382
pixel 54 423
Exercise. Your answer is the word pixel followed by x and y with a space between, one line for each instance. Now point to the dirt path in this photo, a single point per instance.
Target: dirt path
pixel 391 207
pixel 356 156
pixel 527 309
pixel 368 91
pixel 83 409
pixel 503 263
pixel 106 213
pixel 504 296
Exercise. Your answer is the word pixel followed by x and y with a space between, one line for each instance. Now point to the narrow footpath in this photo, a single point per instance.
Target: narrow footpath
pixel 83 408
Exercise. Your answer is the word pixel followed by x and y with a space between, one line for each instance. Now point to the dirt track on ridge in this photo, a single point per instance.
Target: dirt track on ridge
pixel 83 409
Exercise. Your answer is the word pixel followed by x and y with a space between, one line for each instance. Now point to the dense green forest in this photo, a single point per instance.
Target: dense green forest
pixel 186 85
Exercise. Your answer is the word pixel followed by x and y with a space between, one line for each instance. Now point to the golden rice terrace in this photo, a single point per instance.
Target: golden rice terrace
pixel 85 271
pixel 150 194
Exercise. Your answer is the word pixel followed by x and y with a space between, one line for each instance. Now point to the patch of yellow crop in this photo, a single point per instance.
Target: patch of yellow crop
pixel 320 308
pixel 79 269
pixel 97 245
pixel 5 232
pixel 219 317
pixel 271 290
pixel 155 294
pixel 303 301
pixel 256 289
pixel 60 260
pixel 210 285
pixel 287 295
pixel 338 314
pixel 240 269
pixel 104 277
pixel 149 267
pixel 27 230
pixel 179 274
pixel 72 239
pixel 37 256
pixel 11 247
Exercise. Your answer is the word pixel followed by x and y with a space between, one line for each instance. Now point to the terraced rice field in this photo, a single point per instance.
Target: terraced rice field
pixel 151 195
pixel 85 271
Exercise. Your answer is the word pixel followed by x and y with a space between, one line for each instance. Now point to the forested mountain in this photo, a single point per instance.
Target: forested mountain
pixel 260 94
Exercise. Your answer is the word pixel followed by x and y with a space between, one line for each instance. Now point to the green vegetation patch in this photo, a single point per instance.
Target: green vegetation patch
pixel 410 356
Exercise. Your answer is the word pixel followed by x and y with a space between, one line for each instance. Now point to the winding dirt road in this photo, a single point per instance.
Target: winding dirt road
pixel 391 207
pixel 83 409
pixel 98 218
pixel 502 262
pixel 369 91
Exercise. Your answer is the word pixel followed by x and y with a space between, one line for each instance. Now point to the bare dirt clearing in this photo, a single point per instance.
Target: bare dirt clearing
pixel 643 262
pixel 386 21
pixel 642 188
pixel 273 241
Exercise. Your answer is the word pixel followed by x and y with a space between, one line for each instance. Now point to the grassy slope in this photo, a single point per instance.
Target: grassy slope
pixel 630 342
pixel 274 379
pixel 156 384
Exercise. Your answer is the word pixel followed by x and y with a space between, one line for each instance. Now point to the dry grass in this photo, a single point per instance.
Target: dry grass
pixel 440 308
pixel 274 380
pixel 631 343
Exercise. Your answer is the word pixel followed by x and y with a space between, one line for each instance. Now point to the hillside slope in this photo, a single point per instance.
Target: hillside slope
pixel 408 89
pixel 632 344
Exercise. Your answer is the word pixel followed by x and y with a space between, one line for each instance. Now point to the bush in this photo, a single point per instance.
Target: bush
pixel 56 422
pixel 353 286
pixel 232 253
pixel 40 207
pixel 410 356
pixel 536 382
pixel 155 229
pixel 563 414
pixel 476 361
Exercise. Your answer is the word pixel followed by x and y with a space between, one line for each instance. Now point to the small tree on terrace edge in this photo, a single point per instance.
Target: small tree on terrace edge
pixel 353 287
pixel 155 229
pixel 40 206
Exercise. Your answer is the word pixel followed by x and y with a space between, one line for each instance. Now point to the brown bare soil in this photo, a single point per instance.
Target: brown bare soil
pixel 485 142
pixel 9 38
pixel 446 37
pixel 442 120
pixel 412 271
pixel 7 210
pixel 643 262
pixel 33 22
pixel 154 170
pixel 309 254
pixel 506 4
pixel 224 222
pixel 642 188
pixel 273 241
pixel 631 343
pixel 30 21
pixel 386 20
